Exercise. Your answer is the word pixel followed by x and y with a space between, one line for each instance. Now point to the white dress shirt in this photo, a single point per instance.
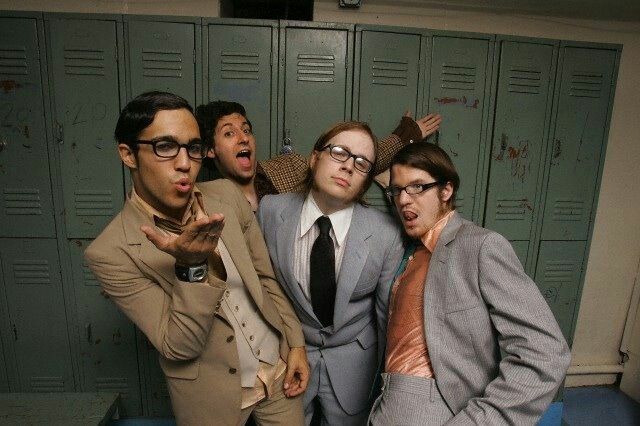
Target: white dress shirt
pixel 309 231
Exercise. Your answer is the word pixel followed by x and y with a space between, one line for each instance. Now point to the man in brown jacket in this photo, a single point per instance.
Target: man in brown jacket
pixel 188 265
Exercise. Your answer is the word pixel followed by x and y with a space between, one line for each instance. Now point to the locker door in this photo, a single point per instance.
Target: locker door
pixel 162 57
pixel 85 86
pixel 521 248
pixel 558 276
pixel 36 313
pixel 26 209
pixel 107 339
pixel 4 379
pixel 582 109
pixel 460 78
pixel 519 136
pixel 387 86
pixel 241 70
pixel 388 80
pixel 315 86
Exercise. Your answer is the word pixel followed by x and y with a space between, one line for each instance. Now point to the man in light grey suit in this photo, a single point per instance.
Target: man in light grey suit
pixel 460 298
pixel 341 304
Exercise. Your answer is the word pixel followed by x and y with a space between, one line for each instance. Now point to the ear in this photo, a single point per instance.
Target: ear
pixel 313 159
pixel 211 153
pixel 127 156
pixel 446 192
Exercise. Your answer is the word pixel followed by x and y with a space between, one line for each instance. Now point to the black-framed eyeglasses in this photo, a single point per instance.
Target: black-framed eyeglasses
pixel 196 150
pixel 413 189
pixel 343 154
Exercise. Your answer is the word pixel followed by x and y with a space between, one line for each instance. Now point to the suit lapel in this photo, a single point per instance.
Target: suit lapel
pixel 436 287
pixel 353 261
pixel 288 226
pixel 158 261
pixel 233 239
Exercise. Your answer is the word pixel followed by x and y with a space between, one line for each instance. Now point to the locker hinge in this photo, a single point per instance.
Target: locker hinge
pixel 116 53
pixel 194 56
pixel 15 333
pixel 37 53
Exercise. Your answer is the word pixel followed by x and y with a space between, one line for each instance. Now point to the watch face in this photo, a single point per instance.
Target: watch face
pixel 199 274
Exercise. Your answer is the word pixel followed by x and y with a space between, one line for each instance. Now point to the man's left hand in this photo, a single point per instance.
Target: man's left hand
pixel 297 377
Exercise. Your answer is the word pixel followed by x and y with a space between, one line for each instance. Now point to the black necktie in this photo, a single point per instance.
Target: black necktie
pixel 323 273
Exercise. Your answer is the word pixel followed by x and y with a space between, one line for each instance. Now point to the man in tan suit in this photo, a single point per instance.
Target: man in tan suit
pixel 188 265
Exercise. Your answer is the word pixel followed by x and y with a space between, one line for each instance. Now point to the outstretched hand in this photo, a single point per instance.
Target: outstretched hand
pixel 196 243
pixel 428 124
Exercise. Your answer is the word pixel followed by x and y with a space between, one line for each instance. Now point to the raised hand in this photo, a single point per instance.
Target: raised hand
pixel 428 124
pixel 196 243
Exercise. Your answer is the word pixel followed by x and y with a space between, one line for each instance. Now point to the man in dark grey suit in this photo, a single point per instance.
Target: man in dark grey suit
pixel 342 303
pixel 460 298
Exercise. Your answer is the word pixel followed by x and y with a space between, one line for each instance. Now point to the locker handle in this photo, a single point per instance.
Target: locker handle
pixel 3 144
pixel 15 333
pixel 87 329
pixel 59 133
pixel 286 144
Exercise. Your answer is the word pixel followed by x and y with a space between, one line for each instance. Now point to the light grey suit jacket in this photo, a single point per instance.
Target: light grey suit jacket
pixel 372 254
pixel 479 301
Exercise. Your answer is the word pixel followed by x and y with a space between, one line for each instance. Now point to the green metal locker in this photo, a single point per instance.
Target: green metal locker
pixel 242 67
pixel 84 73
pixel 107 339
pixel 558 275
pixel 34 326
pixel 163 55
pixel 387 70
pixel 157 403
pixel 315 81
pixel 4 380
pixel 459 88
pixel 521 248
pixel 521 120
pixel 26 209
pixel 584 98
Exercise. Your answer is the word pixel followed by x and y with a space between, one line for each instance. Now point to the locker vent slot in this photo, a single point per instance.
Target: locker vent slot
pixel 317 68
pixel 458 76
pixel 112 384
pixel 47 384
pixel 88 278
pixel 240 66
pixel 507 209
pixel 84 62
pixel 22 201
pixel 557 273
pixel 161 63
pixel 93 203
pixel 389 72
pixel 522 80
pixel 586 85
pixel 568 210
pixel 13 61
pixel 31 272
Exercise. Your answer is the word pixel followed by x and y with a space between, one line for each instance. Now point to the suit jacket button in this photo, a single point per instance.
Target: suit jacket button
pixel 229 339
pixel 232 370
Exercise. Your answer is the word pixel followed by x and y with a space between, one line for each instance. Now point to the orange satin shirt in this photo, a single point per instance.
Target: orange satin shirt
pixel 407 351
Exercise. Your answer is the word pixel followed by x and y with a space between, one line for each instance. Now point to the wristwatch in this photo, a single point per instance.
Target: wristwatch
pixel 192 274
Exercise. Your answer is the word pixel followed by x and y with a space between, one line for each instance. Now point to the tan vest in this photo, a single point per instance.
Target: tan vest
pixel 255 339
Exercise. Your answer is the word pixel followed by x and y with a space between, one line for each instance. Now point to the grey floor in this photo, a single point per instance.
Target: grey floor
pixel 585 406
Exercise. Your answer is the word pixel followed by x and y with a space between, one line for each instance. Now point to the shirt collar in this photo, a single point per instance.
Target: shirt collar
pixel 340 220
pixel 430 239
pixel 198 208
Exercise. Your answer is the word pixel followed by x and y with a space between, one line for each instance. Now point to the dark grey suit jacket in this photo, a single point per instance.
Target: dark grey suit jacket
pixel 372 254
pixel 479 301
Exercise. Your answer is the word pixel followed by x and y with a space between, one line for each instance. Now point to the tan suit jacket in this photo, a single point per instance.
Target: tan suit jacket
pixel 184 321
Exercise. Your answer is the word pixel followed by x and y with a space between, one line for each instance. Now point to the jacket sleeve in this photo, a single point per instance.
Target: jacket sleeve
pixel 264 269
pixel 536 356
pixel 392 259
pixel 177 324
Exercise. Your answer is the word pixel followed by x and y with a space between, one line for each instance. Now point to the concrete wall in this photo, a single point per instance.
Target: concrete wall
pixel 616 241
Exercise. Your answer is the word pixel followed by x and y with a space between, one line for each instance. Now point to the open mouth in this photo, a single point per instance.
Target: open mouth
pixel 408 216
pixel 244 158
